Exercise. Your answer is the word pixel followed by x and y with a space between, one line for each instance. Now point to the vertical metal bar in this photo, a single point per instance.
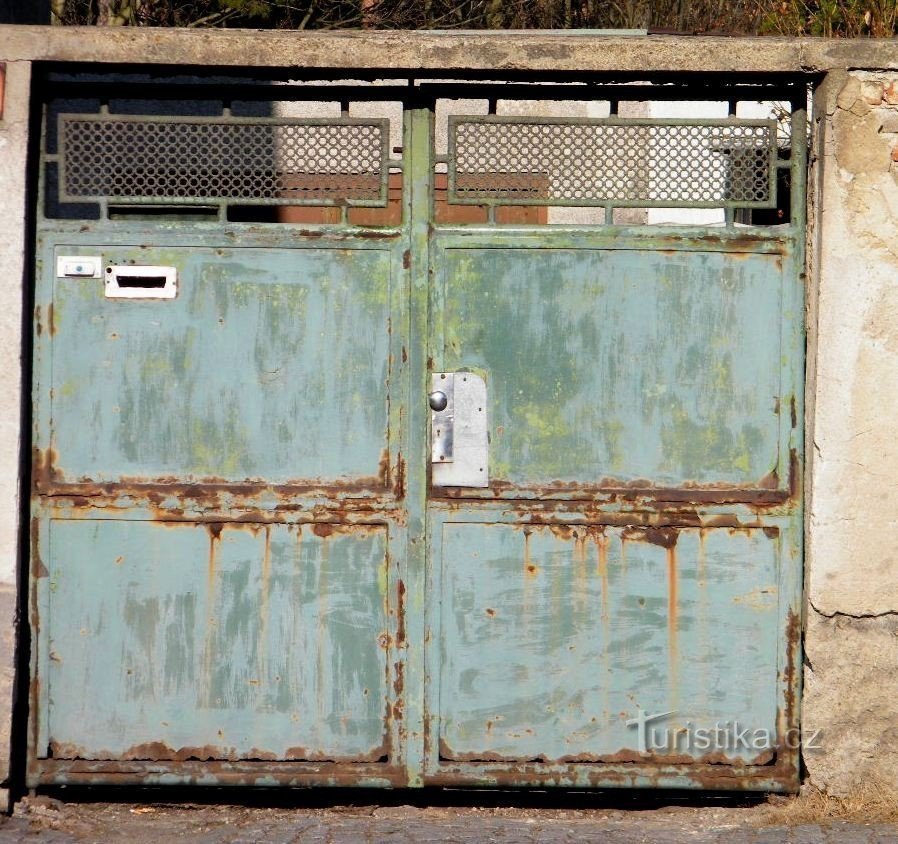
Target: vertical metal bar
pixel 794 339
pixel 799 163
pixel 419 197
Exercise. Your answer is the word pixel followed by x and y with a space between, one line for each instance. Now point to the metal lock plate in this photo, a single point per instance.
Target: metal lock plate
pixel 460 437
pixel 442 421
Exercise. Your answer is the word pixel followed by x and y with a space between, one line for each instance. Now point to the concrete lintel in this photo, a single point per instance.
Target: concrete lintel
pixel 425 51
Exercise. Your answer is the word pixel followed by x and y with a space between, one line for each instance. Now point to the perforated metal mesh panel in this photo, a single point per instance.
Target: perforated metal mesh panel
pixel 187 160
pixel 636 162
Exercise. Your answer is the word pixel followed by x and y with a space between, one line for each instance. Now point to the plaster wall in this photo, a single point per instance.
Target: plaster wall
pixel 851 640
pixel 13 154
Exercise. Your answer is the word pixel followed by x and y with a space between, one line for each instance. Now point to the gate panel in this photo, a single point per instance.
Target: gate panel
pixel 620 366
pixel 620 604
pixel 246 375
pixel 217 641
pixel 553 639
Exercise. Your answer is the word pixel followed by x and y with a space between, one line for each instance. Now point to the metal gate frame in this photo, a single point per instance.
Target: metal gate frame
pixel 410 762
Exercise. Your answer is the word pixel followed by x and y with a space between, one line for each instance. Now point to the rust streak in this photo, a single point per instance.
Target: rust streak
pixel 51 319
pixel 672 613
pixel 399 486
pixel 601 541
pixel 400 611
pixel 383 473
pixel 38 569
pixel 794 474
pixel 214 529
pixel 530 569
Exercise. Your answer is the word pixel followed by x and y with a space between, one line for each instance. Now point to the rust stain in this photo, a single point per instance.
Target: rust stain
pixel 672 615
pixel 404 355
pixel 529 568
pixel 641 494
pixel 383 473
pixel 160 751
pixel 34 698
pixel 770 481
pixel 406 259
pixel 400 610
pixel 264 597
pixel 490 612
pixel 794 474
pixel 601 541
pixel 38 569
pixel 51 319
pixel 664 537
pixel 794 411
pixel 399 486
pixel 38 327
pixel 207 491
pixel 214 529
pixel 789 720
pixel 303 771
pixel 43 475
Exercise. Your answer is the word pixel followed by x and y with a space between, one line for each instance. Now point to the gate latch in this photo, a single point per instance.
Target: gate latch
pixel 459 434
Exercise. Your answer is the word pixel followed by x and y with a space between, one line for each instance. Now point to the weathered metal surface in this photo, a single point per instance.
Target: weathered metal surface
pixel 218 552
pixel 246 375
pixel 220 641
pixel 551 640
pixel 246 521
pixel 609 367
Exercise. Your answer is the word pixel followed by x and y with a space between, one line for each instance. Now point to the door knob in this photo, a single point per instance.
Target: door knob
pixel 438 400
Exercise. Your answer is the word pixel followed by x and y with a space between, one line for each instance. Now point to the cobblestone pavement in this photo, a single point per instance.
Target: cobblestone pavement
pixel 49 820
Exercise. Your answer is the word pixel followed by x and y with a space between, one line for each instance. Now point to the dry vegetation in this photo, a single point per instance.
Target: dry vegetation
pixel 871 802
pixel 831 18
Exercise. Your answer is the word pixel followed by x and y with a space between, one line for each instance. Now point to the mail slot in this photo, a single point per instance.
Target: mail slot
pixel 129 281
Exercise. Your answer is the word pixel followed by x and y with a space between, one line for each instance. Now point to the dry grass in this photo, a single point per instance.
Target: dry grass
pixel 869 802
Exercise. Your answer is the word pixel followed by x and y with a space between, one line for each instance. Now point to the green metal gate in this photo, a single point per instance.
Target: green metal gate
pixel 356 464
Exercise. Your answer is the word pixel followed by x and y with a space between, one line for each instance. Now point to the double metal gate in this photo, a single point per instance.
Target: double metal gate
pixel 361 459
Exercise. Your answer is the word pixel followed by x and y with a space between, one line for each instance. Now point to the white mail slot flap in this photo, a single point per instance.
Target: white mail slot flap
pixel 130 281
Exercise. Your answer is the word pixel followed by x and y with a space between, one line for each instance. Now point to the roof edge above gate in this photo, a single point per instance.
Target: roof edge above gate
pixel 426 51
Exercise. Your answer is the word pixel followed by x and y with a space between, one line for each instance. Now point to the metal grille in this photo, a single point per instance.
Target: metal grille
pixel 192 161
pixel 615 161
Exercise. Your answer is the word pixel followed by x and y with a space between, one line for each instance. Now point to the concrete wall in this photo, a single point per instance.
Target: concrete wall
pixel 13 152
pixel 851 677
